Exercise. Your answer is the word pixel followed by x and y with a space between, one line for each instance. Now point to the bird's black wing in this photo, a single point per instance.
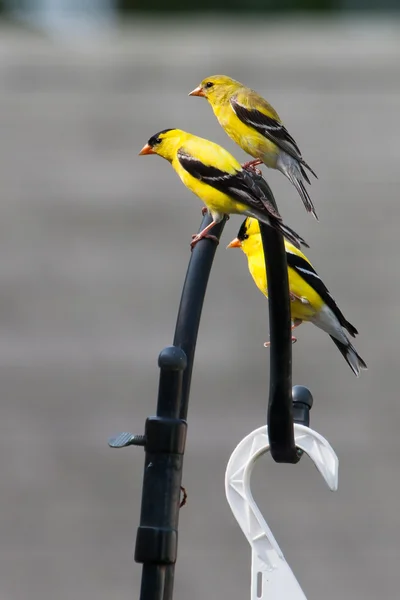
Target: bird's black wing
pixel 311 277
pixel 241 186
pixel 269 128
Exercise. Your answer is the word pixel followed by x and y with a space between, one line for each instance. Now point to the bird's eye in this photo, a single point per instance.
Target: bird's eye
pixel 157 141
pixel 209 84
pixel 246 236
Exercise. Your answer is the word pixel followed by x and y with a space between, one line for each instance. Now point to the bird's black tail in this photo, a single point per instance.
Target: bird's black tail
pixel 270 215
pixel 296 174
pixel 351 356
pixel 291 235
pixel 307 166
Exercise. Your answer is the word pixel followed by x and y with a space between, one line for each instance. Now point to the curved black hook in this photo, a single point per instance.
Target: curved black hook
pixel 280 411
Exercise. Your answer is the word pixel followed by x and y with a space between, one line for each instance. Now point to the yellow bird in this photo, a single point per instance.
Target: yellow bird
pixel 257 128
pixel 310 299
pixel 218 179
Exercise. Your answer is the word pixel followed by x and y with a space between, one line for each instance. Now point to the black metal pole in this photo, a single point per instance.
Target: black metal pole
pixel 164 442
pixel 164 484
pixel 189 314
pixel 157 536
pixel 187 327
pixel 165 434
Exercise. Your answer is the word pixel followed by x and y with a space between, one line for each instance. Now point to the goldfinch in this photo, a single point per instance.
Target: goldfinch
pixel 218 179
pixel 310 299
pixel 256 127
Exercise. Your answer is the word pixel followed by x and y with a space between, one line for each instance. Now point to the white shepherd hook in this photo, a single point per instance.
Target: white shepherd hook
pixel 271 576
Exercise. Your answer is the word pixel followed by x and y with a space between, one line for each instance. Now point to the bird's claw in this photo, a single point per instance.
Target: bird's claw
pixel 184 497
pixel 268 344
pixel 254 170
pixel 251 166
pixel 196 239
pixel 204 211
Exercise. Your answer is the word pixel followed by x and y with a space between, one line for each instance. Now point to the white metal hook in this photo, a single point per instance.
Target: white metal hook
pixel 271 576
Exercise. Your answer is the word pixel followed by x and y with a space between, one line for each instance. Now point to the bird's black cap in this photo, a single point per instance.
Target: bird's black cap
pixel 242 231
pixel 155 139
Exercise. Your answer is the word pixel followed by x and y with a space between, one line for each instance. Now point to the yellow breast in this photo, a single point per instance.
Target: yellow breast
pixel 304 310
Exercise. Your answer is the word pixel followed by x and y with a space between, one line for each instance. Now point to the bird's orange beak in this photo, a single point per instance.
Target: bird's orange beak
pixel 146 150
pixel 197 92
pixel 236 243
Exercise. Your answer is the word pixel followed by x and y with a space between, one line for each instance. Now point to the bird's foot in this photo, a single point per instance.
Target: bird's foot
pixel 251 166
pixel 268 344
pixel 204 211
pixel 197 237
pixel 253 170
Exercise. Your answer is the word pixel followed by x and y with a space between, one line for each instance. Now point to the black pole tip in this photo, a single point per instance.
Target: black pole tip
pixel 172 358
pixel 302 395
pixel 302 403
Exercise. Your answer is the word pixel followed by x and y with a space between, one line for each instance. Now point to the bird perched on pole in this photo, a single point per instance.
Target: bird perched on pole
pixel 310 299
pixel 218 179
pixel 257 128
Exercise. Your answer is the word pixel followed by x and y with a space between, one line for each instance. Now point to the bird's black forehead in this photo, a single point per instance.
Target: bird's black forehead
pixel 242 231
pixel 154 138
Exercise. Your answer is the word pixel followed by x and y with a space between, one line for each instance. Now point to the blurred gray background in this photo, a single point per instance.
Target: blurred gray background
pixel 94 248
